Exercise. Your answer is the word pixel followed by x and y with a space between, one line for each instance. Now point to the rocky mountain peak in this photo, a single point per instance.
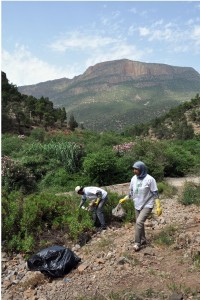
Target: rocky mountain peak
pixel 135 69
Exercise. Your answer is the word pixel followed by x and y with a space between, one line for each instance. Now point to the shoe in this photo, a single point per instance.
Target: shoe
pixel 136 247
pixel 143 243
pixel 101 228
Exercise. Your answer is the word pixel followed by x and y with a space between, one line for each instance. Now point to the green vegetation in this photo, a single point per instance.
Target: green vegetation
pixel 165 237
pixel 43 163
pixel 191 194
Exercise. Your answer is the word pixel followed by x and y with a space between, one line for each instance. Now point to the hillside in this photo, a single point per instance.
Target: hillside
pixel 124 92
pixel 110 269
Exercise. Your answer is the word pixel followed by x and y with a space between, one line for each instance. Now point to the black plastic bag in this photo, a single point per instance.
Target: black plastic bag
pixel 55 261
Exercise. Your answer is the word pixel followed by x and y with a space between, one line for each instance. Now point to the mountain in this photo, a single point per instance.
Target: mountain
pixel 115 94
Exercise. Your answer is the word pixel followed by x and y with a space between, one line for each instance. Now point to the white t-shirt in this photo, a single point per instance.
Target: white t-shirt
pixel 141 190
pixel 91 193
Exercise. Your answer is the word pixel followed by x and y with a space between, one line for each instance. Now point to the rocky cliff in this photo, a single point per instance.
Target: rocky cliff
pixel 125 92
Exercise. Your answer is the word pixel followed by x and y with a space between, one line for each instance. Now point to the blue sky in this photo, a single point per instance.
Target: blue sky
pixel 47 40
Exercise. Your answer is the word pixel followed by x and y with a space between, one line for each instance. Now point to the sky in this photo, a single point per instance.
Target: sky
pixel 47 40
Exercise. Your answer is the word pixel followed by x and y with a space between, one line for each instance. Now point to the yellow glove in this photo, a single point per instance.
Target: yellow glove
pixel 97 201
pixel 157 202
pixel 123 199
pixel 159 211
pixel 158 208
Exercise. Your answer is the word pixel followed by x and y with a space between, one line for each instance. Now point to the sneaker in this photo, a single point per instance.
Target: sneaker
pixel 103 227
pixel 136 247
pixel 143 243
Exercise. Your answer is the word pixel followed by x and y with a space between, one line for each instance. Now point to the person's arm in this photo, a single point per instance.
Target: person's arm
pixel 83 200
pixel 127 196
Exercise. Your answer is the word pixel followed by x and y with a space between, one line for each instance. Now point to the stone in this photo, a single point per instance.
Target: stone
pixel 176 296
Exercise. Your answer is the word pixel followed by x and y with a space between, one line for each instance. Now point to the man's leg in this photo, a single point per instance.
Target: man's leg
pixel 100 213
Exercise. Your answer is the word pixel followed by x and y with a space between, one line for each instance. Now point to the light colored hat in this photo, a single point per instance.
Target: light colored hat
pixel 78 188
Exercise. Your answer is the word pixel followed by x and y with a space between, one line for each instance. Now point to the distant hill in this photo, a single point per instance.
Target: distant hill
pixel 119 93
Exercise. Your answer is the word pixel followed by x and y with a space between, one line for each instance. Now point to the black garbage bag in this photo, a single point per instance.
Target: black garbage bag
pixel 55 261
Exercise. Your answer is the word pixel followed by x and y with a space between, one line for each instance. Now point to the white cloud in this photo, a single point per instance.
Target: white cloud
pixel 22 68
pixel 119 51
pixel 196 34
pixel 79 41
pixel 143 31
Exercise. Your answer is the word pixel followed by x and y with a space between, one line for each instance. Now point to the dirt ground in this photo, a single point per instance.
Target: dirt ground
pixel 111 270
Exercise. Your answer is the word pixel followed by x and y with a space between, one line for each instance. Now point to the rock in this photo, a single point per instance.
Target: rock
pixel 82 267
pixel 176 296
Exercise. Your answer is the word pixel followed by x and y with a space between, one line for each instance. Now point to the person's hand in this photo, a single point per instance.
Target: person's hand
pixel 123 199
pixel 157 201
pixel 97 201
pixel 159 211
pixel 158 208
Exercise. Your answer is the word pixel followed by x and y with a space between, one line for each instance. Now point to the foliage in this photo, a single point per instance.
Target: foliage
pixel 165 236
pixel 20 112
pixel 191 194
pixel 165 189
pixel 25 218
pixel 38 134
pixel 100 166
pixel 72 123
pixel 179 161
pixel 15 176
pixel 10 144
pixel 61 181
pixel 68 154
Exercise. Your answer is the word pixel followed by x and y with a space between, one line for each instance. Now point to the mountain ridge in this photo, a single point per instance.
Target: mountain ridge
pixel 119 89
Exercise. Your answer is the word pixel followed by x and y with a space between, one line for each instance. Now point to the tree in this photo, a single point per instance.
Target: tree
pixel 61 115
pixel 72 123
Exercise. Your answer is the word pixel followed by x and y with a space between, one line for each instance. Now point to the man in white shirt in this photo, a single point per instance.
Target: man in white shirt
pixel 98 198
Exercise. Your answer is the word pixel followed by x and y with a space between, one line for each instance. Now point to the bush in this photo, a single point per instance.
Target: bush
pixel 178 161
pixel 16 177
pixel 152 154
pixel 38 134
pixel 26 218
pixel 101 166
pixel 166 189
pixel 10 144
pixel 191 194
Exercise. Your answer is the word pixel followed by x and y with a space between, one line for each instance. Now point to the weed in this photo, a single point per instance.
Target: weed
pixel 196 261
pixel 166 236
pixel 105 243
pixel 166 190
pixel 191 194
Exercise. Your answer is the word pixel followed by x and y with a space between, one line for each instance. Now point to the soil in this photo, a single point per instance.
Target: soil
pixel 110 269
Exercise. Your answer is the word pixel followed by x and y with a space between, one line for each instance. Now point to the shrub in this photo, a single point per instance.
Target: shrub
pixel 10 144
pixel 166 189
pixel 191 194
pixel 101 166
pixel 26 218
pixel 178 161
pixel 38 134
pixel 15 176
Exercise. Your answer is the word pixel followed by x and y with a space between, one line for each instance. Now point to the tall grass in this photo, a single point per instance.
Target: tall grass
pixel 68 153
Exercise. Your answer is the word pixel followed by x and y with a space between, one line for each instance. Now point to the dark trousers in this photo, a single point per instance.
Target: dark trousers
pixel 98 212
